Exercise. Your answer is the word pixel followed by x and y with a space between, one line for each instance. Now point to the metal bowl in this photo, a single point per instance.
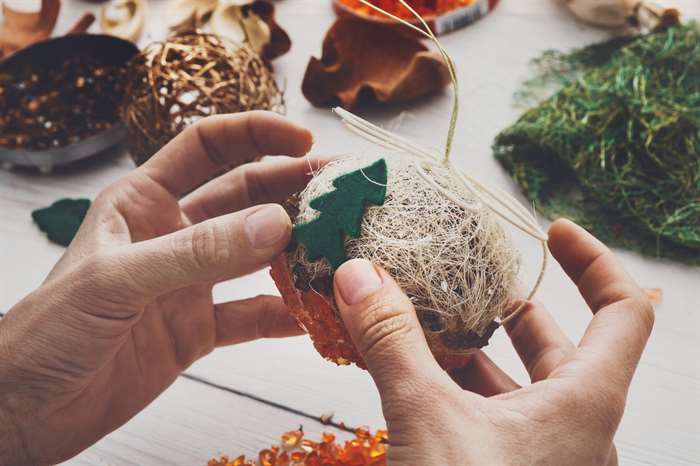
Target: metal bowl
pixel 50 53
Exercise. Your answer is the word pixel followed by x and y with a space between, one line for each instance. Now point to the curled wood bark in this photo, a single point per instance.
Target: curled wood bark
pixel 123 19
pixel 21 29
pixel 363 61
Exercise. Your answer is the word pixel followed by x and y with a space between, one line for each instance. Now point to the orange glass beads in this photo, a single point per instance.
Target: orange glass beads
pixel 425 8
pixel 364 449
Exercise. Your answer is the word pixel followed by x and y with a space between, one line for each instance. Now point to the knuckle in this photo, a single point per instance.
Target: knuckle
pixel 199 132
pixel 257 191
pixel 207 246
pixel 384 324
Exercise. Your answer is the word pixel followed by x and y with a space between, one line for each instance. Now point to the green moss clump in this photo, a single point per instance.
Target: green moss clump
pixel 617 147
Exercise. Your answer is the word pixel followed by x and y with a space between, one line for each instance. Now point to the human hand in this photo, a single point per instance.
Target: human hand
pixel 129 305
pixel 480 416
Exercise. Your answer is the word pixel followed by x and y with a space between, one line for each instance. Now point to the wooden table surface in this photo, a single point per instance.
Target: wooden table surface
pixel 194 421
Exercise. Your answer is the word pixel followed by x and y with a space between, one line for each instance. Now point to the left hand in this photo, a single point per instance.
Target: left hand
pixel 129 305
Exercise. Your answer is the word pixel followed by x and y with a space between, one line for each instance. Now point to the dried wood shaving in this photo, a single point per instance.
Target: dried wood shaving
pixel 253 23
pixel 123 19
pixel 21 29
pixel 366 61
pixel 182 15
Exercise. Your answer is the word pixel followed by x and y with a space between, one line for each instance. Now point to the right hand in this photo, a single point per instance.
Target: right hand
pixel 478 415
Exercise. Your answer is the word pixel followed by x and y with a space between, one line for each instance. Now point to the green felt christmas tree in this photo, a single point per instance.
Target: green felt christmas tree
pixel 341 212
pixel 61 220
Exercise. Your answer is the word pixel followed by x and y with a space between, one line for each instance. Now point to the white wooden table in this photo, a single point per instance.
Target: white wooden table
pixel 192 422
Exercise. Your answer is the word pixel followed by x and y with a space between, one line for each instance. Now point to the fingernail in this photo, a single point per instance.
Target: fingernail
pixel 266 226
pixel 356 280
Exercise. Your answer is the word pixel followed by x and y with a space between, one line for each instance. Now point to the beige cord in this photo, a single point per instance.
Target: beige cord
pixel 505 206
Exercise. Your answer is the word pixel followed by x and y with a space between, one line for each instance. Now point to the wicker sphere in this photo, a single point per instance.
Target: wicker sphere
pixel 173 84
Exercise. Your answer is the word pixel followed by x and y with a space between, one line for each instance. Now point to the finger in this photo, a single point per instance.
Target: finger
pixel 209 252
pixel 383 325
pixel 538 340
pixel 267 181
pixel 481 375
pixel 254 318
pixel 214 143
pixel 617 335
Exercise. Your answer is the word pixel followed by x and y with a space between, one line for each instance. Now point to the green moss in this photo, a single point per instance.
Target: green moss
pixel 617 147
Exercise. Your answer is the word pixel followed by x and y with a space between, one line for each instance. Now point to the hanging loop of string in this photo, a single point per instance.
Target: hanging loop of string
pixel 452 70
pixel 496 200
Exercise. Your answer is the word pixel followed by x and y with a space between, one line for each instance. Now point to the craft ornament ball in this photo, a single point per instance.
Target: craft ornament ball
pixel 457 266
pixel 188 77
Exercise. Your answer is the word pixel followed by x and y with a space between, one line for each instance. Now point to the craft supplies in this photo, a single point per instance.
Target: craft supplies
pixel 365 449
pixel 62 219
pixel 123 18
pixel 643 15
pixel 188 77
pixel 432 227
pixel 251 22
pixel 365 62
pixel 184 15
pixel 48 109
pixel 61 98
pixel 425 8
pixel 456 266
pixel 20 29
pixel 239 24
pixel 442 16
pixel 331 213
pixel 617 147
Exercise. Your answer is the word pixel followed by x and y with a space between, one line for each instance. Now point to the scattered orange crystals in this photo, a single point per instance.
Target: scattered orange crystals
pixel 363 450
pixel 425 8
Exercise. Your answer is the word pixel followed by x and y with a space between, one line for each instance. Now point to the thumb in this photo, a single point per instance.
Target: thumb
pixel 384 327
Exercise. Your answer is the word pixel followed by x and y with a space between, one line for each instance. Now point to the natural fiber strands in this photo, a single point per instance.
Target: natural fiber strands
pixel 457 266
pixel 436 232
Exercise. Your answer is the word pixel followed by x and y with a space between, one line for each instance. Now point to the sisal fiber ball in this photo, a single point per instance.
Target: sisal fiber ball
pixel 188 77
pixel 457 266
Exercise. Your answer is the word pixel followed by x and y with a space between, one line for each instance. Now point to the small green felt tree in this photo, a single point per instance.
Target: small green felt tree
pixel 61 220
pixel 341 211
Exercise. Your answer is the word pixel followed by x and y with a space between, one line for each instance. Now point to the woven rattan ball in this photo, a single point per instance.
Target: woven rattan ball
pixel 188 77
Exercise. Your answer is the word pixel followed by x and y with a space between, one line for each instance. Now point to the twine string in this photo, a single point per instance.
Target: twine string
pixel 452 70
pixel 496 200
